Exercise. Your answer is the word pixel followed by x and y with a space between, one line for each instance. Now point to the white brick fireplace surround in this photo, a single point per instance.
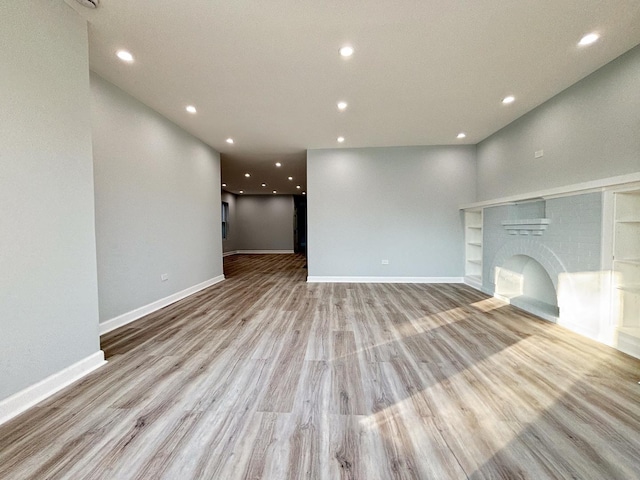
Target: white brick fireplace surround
pixel 553 255
pixel 568 249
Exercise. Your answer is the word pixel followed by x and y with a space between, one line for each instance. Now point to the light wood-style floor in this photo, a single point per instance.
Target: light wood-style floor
pixel 265 376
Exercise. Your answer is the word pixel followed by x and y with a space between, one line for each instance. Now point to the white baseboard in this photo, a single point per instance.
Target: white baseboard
pixel 230 252
pixel 24 399
pixel 263 252
pixel 580 330
pixel 133 315
pixel 502 298
pixel 473 283
pixel 628 343
pixel 384 279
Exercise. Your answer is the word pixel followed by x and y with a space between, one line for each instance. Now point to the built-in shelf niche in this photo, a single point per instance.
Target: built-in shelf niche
pixel 626 266
pixel 473 247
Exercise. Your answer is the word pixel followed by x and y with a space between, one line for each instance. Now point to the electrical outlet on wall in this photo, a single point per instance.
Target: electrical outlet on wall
pixel 385 262
pixel 164 277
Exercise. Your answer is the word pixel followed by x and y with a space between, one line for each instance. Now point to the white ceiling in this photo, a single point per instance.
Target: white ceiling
pixel 268 74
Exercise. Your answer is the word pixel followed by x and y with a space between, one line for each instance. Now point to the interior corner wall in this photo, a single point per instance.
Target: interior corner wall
pixel 265 222
pixel 589 131
pixel 48 290
pixel 230 244
pixel 400 204
pixel 157 191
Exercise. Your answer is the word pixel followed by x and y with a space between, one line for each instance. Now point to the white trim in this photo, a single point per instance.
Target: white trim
pixel 503 298
pixel 628 343
pixel 472 283
pixel 263 252
pixel 324 279
pixel 24 399
pixel 230 252
pixel 585 187
pixel 133 315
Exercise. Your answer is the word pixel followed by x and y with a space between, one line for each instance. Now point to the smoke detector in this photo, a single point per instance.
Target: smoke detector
pixel 89 3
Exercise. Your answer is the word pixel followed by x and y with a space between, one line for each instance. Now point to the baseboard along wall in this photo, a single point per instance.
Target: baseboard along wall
pixel 323 279
pixel 24 399
pixel 133 315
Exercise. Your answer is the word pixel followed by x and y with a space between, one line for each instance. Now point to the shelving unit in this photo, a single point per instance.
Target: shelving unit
pixel 473 247
pixel 626 266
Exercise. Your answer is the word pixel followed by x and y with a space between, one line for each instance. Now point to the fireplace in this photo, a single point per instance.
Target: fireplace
pixel 537 254
pixel 525 283
pixel 571 257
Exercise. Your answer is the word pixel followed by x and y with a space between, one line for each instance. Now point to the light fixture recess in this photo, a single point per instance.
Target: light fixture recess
pixel 275 191
pixel 89 3
pixel 263 184
pixel 224 184
pixel 340 139
pixel 346 51
pixel 588 39
pixel 241 191
pixel 508 99
pixel 342 106
pixel 229 141
pixel 304 193
pixel 278 164
pixel 125 56
pixel 247 175
pixel 191 109
pixel 289 178
pixel 461 135
pixel 298 187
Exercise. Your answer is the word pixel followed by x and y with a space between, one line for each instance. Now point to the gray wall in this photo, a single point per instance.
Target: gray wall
pixel 157 203
pixel 399 204
pixel 590 131
pixel 230 244
pixel 265 222
pixel 48 291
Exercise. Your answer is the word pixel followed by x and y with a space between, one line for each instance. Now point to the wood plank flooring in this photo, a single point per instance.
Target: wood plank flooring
pixel 266 376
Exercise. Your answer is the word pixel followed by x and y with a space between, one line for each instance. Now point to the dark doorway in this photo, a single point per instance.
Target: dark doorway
pixel 300 224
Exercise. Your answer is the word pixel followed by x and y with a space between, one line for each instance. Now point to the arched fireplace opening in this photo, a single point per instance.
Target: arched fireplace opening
pixel 525 283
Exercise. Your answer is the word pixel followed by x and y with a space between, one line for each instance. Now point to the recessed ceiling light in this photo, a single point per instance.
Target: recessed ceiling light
pixel 340 139
pixel 588 39
pixel 289 178
pixel 274 191
pixel 278 164
pixel 241 191
pixel 346 51
pixel 229 140
pixel 263 184
pixel 298 187
pixel 224 184
pixel 342 105
pixel 89 3
pixel 304 193
pixel 247 175
pixel 461 135
pixel 191 109
pixel 124 56
pixel 509 99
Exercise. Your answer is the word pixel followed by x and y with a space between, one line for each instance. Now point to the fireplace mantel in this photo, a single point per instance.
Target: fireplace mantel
pixel 526 226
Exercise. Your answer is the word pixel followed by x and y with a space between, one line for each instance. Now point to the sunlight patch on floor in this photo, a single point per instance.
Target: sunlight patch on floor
pixel 489 304
pixel 468 412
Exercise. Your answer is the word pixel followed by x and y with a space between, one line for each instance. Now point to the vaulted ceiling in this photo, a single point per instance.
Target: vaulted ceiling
pixel 269 74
